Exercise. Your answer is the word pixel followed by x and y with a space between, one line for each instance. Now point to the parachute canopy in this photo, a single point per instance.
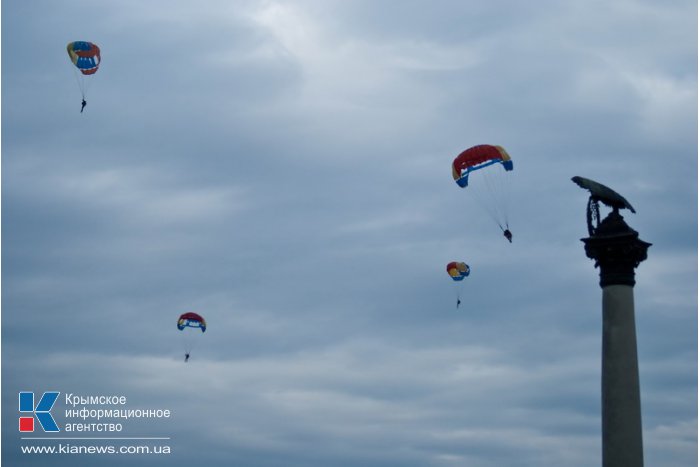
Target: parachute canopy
pixel 477 158
pixel 85 56
pixel 457 270
pixel 191 320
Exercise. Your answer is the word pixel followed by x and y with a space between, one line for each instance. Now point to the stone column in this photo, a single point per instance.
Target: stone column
pixel 618 250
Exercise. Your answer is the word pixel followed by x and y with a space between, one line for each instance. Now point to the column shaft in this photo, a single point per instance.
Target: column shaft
pixel 621 406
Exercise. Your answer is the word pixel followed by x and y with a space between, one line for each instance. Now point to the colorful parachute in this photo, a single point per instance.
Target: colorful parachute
pixel 477 158
pixel 188 324
pixel 457 271
pixel 86 58
pixel 191 320
pixel 485 169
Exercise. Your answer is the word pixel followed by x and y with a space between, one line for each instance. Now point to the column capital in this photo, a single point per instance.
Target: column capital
pixel 617 249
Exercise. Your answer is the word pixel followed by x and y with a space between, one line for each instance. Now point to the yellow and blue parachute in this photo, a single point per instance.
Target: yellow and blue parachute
pixel 457 270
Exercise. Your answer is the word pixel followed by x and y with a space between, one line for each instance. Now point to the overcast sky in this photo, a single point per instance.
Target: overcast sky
pixel 283 169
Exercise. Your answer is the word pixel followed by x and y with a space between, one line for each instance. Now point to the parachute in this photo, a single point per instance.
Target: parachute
pixel 189 323
pixel 86 58
pixel 485 169
pixel 458 271
pixel 191 320
pixel 477 158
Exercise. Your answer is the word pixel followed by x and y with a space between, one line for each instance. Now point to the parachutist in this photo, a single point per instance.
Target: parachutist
pixel 508 235
pixel 458 302
pixel 187 357
pixel 83 104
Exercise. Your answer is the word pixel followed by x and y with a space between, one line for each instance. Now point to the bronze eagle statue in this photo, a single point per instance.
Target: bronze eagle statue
pixel 603 194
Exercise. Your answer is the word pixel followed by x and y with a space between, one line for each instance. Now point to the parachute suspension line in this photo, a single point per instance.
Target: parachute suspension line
pixel 458 295
pixel 494 193
pixel 496 184
pixel 485 204
pixel 87 83
pixel 80 80
pixel 487 194
pixel 189 340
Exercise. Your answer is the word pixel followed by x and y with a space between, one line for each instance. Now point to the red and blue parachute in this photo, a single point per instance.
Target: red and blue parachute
pixel 478 158
pixel 188 324
pixel 191 320
pixel 485 171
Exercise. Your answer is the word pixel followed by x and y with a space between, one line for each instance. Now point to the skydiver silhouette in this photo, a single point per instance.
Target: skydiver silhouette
pixel 187 357
pixel 82 104
pixel 508 235
pixel 458 302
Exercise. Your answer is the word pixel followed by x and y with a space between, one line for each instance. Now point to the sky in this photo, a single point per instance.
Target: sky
pixel 283 168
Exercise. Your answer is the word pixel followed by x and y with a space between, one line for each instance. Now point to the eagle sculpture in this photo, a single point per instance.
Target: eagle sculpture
pixel 603 194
